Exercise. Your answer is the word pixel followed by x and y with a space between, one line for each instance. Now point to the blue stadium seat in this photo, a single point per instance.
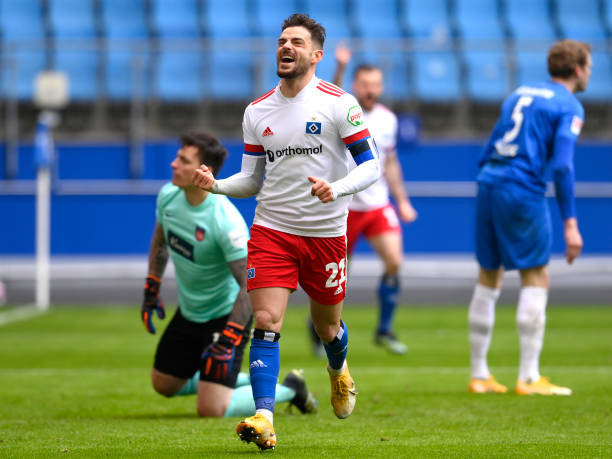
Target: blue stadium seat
pixel 529 20
pixel 179 76
pixel 332 15
pixel 223 19
pixel 395 68
pixel 124 19
pixel 22 46
pixel 607 13
pixel 531 67
pixel 19 72
pixel 81 67
pixel 436 76
pixel 599 88
pixel 71 19
pixel 266 72
pixel 21 20
pixel 426 20
pixel 127 74
pixel 479 22
pixel 270 14
pixel 488 78
pixel 225 81
pixel 127 56
pixel 580 20
pixel 376 19
pixel 175 18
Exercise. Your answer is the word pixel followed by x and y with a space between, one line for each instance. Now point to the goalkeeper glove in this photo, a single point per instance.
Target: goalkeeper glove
pixel 152 302
pixel 219 356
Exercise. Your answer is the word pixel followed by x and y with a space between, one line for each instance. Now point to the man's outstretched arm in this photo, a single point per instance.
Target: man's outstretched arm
pixel 244 184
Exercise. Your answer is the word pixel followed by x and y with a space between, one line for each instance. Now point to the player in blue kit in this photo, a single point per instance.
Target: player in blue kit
pixel 201 350
pixel 537 130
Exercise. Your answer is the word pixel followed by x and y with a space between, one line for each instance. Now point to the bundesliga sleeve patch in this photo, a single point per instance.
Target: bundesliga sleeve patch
pixel 576 125
pixel 355 116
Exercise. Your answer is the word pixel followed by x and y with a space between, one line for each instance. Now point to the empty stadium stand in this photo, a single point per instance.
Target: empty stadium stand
pixel 155 56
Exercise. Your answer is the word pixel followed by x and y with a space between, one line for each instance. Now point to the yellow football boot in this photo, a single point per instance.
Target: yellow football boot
pixel 257 429
pixel 541 387
pixel 343 393
pixel 484 386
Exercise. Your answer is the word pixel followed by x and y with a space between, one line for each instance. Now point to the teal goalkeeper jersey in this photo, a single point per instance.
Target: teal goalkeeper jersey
pixel 201 241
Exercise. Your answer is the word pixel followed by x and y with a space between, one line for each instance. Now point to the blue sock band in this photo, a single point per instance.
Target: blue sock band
pixel 264 366
pixel 337 349
pixel 387 297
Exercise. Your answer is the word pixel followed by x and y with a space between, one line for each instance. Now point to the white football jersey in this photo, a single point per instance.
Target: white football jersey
pixel 303 136
pixel 382 124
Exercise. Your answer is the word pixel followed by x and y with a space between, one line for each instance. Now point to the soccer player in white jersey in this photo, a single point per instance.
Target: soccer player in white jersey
pixel 295 136
pixel 370 213
pixel 207 239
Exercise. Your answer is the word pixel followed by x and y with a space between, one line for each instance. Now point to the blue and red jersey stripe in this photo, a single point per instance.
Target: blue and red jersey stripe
pixel 254 150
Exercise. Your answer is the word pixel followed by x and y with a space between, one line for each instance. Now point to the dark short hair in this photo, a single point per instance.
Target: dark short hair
pixel 210 150
pixel 565 56
pixel 317 31
pixel 365 68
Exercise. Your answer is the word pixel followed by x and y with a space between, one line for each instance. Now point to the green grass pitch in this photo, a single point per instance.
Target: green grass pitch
pixel 75 382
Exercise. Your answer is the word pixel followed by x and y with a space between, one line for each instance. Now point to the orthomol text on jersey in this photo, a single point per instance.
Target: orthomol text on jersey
pixel 292 151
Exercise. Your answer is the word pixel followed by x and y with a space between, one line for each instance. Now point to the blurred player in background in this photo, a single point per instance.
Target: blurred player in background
pixel 537 128
pixel 295 136
pixel 370 212
pixel 201 349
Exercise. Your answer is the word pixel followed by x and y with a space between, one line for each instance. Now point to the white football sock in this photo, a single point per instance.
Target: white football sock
pixel 481 317
pixel 267 413
pixel 531 321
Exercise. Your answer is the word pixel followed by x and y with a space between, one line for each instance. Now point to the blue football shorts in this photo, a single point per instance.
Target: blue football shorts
pixel 513 228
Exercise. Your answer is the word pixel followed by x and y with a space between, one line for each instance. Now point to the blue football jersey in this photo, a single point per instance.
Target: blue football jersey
pixel 522 143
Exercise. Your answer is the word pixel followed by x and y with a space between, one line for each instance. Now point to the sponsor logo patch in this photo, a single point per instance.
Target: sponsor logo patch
pixel 180 246
pixel 267 131
pixel 200 233
pixel 313 127
pixel 294 151
pixel 576 125
pixel 355 115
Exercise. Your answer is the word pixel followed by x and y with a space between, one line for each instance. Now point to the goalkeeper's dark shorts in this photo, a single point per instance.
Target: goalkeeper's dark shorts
pixel 179 352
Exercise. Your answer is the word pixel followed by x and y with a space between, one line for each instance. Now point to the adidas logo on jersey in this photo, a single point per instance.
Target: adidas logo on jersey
pixel 339 290
pixel 258 364
pixel 267 131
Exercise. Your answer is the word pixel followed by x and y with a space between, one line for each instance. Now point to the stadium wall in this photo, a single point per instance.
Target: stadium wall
pixel 97 209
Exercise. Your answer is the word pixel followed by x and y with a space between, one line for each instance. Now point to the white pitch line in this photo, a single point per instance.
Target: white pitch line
pixel 19 314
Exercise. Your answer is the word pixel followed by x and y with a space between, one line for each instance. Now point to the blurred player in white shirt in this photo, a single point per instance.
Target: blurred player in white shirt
pixel 295 161
pixel 370 213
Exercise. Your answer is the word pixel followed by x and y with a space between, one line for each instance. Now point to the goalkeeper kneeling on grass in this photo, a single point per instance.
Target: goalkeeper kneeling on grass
pixel 201 350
